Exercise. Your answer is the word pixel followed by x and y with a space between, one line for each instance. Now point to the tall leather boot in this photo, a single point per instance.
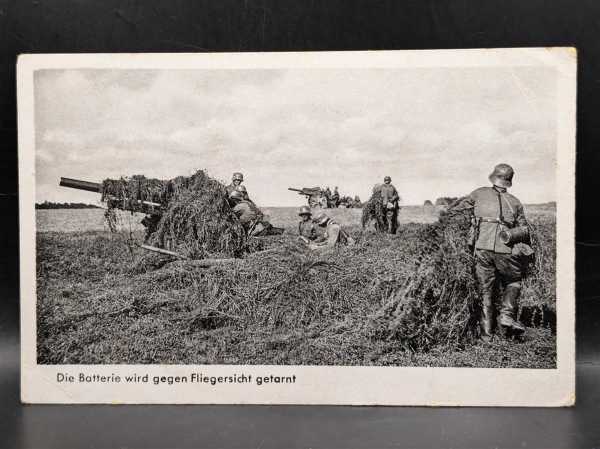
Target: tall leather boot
pixel 487 317
pixel 390 222
pixel 508 311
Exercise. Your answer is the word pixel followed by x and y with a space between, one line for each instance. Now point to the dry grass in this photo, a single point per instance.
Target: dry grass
pixel 197 220
pixel 384 301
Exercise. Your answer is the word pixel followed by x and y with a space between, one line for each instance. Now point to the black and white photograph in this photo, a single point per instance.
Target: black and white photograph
pixel 393 210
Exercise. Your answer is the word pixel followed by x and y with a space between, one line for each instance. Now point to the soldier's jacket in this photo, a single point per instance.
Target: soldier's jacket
pixel 307 229
pixel 333 235
pixel 494 211
pixel 246 212
pixel 389 194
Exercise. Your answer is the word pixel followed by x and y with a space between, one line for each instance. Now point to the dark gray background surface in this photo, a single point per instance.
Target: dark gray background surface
pixel 65 26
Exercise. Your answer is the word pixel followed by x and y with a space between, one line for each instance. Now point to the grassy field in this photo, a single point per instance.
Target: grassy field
pixel 101 299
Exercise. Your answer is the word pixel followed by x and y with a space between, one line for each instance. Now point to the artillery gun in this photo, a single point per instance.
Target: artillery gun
pixel 154 209
pixel 315 196
pixel 128 204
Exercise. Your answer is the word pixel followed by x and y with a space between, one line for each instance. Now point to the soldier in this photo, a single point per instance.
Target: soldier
pixel 389 199
pixel 236 180
pixel 498 214
pixel 250 215
pixel 334 234
pixel 242 189
pixel 335 197
pixel 306 227
pixel 246 211
pixel 327 195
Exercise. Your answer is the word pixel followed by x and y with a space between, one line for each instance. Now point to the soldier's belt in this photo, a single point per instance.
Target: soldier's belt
pixel 494 220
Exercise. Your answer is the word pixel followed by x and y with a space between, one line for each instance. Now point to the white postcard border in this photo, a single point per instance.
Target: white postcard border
pixel 313 384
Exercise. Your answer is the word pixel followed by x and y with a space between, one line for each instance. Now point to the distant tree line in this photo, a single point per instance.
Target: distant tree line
pixel 51 205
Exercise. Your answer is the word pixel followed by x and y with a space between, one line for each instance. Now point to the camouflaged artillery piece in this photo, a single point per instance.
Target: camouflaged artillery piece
pixel 315 196
pixel 191 217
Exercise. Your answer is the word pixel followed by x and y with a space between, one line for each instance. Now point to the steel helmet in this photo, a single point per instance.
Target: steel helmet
pixel 241 189
pixel 321 218
pixel 237 176
pixel 304 210
pixel 502 175
pixel 376 188
pixel 387 178
pixel 236 195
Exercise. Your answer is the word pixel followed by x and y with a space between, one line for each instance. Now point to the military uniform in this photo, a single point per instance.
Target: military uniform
pixel 307 229
pixel 237 176
pixel 389 196
pixel 496 210
pixel 333 235
pixel 230 188
pixel 246 212
pixel 335 198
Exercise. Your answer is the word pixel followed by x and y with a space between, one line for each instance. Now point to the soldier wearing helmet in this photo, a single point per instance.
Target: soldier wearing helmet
pixel 245 210
pixel 334 234
pixel 497 213
pixel 236 180
pixel 242 189
pixel 306 227
pixel 335 197
pixel 390 199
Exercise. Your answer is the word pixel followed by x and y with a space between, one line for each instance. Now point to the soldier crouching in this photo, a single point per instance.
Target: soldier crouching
pixel 500 232
pixel 334 234
pixel 307 231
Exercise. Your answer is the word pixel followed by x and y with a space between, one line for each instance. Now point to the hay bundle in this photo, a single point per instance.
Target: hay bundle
pixel 538 296
pixel 438 302
pixel 128 193
pixel 373 211
pixel 195 219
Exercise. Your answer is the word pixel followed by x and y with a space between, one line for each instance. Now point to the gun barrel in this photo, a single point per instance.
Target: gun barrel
pixel 295 190
pixel 80 185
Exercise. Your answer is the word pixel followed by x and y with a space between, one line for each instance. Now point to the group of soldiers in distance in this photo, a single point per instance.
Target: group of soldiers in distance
pixel 499 239
pixel 333 199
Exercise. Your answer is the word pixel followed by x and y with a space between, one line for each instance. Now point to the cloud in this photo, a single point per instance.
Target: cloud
pixel 435 131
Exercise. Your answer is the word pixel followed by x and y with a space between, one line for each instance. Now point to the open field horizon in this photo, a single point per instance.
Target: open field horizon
pixel 81 220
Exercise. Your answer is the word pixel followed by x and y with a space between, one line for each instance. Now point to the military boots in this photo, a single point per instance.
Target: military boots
pixel 508 311
pixel 487 317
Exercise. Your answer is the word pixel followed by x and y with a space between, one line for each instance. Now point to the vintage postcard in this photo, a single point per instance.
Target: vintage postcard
pixel 378 227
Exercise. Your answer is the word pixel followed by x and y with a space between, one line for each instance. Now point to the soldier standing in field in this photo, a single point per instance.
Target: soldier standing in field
pixel 498 215
pixel 334 234
pixel 306 227
pixel 327 195
pixel 236 180
pixel 389 199
pixel 335 197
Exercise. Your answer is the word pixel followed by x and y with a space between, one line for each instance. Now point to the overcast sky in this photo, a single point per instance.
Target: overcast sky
pixel 436 132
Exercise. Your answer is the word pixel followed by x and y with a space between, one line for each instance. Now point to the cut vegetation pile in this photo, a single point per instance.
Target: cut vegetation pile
pixel 406 299
pixel 374 212
pixel 194 217
pixel 437 301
